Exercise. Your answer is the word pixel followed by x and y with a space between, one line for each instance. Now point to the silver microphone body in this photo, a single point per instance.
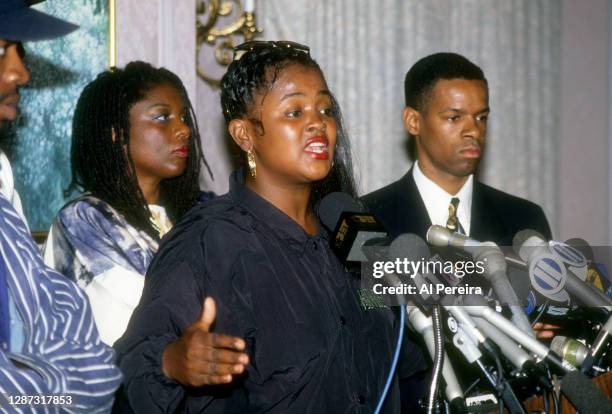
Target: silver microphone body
pixel 495 265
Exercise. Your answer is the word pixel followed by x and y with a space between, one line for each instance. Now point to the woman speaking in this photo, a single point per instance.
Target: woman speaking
pixel 263 256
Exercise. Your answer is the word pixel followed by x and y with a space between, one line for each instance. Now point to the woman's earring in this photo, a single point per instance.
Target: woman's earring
pixel 252 164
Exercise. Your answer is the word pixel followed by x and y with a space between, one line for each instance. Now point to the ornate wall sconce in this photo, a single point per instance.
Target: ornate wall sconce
pixel 217 24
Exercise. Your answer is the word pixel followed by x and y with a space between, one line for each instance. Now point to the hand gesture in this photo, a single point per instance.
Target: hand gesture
pixel 200 357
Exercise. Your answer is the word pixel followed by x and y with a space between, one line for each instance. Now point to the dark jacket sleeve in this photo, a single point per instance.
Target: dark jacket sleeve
pixel 196 260
pixel 171 301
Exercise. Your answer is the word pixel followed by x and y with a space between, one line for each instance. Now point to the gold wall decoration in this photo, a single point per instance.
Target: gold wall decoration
pixel 218 23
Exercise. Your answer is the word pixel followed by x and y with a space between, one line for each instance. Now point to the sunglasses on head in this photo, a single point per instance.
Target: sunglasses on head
pixel 267 44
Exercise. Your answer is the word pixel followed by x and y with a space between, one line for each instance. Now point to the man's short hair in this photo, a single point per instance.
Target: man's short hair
pixel 423 75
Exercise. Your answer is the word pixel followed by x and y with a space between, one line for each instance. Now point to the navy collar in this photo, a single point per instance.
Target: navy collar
pixel 270 216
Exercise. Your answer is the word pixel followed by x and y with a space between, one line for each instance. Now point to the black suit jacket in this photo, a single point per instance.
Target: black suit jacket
pixel 496 216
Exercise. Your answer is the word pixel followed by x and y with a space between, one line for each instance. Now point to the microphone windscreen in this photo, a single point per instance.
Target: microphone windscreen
pixel 333 205
pixel 521 237
pixel 409 246
pixel 585 396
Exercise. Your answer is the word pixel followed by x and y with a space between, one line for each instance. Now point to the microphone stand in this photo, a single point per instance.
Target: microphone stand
pixel 464 342
pixel 438 358
pixel 453 392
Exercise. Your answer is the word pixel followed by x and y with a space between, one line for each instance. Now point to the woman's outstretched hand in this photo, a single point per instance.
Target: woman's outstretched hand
pixel 200 357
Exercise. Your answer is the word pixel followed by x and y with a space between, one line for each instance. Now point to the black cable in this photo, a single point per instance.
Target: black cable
pixel 546 403
pixel 499 385
pixel 472 385
pixel 555 397
pixel 500 372
pixel 541 313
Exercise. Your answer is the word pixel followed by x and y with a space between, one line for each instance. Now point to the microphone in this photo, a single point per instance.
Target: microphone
pixel 595 272
pixel 424 326
pixel 495 268
pixel 513 353
pixel 509 349
pixel 476 309
pixel 465 334
pixel 569 349
pixel 480 331
pixel 584 395
pixel 517 356
pixel 582 246
pixel 412 247
pixel 604 335
pixel 549 275
pixel 517 268
pixel 351 227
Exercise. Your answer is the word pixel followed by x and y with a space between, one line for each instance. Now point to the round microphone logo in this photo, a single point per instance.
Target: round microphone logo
pixel 548 276
pixel 572 257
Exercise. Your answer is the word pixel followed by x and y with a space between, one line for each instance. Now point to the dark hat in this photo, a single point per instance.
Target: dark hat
pixel 21 23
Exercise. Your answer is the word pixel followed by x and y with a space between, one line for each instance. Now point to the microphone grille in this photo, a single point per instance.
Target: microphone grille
pixel 557 344
pixel 333 205
pixel 522 236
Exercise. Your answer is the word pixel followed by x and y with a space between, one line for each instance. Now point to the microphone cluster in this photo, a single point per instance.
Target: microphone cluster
pixel 504 350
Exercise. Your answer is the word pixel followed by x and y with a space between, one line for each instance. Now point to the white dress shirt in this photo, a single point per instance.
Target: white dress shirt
pixel 436 199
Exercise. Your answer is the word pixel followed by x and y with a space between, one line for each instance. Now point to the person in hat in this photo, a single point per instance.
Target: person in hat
pixel 18 23
pixel 51 355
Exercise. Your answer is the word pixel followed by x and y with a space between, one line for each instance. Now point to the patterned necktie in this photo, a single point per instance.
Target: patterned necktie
pixel 453 223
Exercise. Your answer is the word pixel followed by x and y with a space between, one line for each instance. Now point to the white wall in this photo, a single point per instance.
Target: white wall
pixel 609 122
pixel 161 32
pixel 584 172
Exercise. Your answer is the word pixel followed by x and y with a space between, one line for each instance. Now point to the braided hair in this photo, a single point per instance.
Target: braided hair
pixel 100 154
pixel 255 73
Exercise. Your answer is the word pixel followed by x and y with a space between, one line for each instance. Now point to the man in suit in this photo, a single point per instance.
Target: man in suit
pixel 447 107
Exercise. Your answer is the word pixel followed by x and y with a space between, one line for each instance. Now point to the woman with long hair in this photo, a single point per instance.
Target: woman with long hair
pixel 136 154
pixel 261 254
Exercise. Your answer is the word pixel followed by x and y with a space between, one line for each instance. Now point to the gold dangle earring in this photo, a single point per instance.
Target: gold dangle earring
pixel 252 164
